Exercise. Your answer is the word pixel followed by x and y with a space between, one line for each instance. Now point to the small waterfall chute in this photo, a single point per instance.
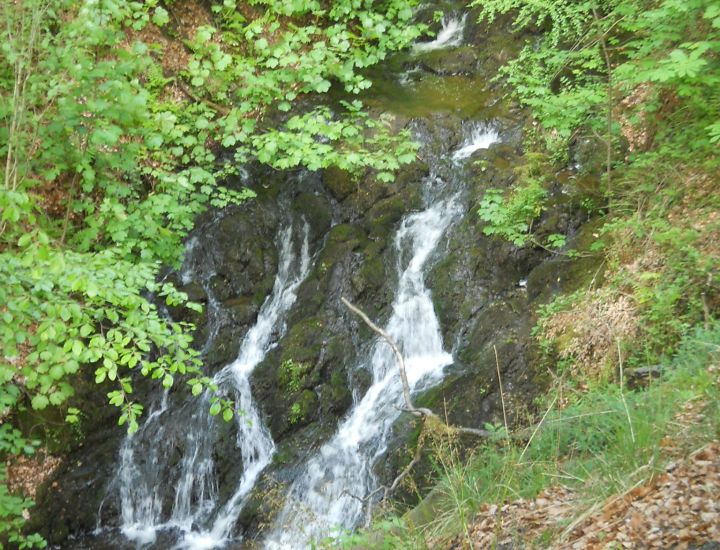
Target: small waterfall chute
pixel 479 136
pixel 196 512
pixel 450 35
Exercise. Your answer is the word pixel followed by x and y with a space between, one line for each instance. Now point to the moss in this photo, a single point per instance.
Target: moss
pixel 341 240
pixel 344 233
pixel 340 183
pixel 387 212
pixel 304 408
pixel 262 289
pixel 242 309
pixel 304 342
pixel 316 210
pixel 373 272
pixel 284 455
pixel 335 395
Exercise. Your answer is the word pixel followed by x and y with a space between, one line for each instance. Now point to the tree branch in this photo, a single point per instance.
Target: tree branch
pixel 409 405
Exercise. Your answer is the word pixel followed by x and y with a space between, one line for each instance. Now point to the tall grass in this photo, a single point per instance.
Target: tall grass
pixel 602 442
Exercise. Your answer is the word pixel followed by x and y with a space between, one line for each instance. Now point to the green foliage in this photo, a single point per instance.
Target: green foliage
pixel 387 534
pixel 295 413
pixel 291 375
pixel 511 218
pixel 511 215
pixel 133 169
pixel 652 66
pixel 12 507
pixel 593 54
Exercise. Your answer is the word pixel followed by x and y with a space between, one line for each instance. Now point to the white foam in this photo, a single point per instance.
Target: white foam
pixel 450 35
pixel 479 137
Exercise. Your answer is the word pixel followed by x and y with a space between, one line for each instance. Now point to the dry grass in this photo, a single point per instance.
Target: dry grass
pixel 588 332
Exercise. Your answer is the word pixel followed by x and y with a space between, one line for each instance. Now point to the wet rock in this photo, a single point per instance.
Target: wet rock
pixel 340 183
pixel 453 62
pixel 243 310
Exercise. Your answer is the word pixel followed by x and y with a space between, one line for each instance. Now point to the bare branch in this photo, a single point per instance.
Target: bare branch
pixel 410 407
pixel 396 351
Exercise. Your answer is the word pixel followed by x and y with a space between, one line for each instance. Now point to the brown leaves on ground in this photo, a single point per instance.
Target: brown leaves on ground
pixel 518 523
pixel 677 509
pixel 26 473
pixel 589 330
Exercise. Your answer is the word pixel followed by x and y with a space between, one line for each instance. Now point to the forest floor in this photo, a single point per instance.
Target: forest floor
pixel 677 508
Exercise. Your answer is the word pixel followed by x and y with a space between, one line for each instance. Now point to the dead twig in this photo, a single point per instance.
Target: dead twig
pixel 409 407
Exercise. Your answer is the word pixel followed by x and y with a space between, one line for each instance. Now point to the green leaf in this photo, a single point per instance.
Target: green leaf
pixel 160 16
pixel 39 402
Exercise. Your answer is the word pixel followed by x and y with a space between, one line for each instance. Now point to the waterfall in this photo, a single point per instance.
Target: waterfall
pixel 329 492
pixel 328 496
pixel 450 35
pixel 146 467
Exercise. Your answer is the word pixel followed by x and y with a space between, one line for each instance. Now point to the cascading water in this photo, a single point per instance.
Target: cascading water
pixel 145 458
pixel 450 35
pixel 479 137
pixel 329 494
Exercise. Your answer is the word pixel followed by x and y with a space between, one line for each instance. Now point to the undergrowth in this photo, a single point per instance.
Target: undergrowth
pixel 597 442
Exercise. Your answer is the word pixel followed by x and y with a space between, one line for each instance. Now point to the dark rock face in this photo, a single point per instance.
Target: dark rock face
pixel 484 293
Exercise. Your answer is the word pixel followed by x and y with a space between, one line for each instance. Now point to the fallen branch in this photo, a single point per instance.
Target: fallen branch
pixel 409 405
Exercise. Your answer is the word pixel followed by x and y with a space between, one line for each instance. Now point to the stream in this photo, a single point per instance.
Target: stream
pixel 327 494
pixel 307 460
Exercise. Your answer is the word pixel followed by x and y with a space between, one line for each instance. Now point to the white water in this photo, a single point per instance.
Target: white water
pixel 144 457
pixel 479 137
pixel 450 35
pixel 145 496
pixel 325 496
pixel 253 438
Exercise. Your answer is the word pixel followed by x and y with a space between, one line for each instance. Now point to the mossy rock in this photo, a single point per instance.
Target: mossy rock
pixel 335 396
pixel 315 209
pixel 304 409
pixel 495 320
pixel 303 342
pixel 566 275
pixel 242 309
pixel 262 289
pixel 371 275
pixel 368 193
pixel 384 214
pixel 449 62
pixel 195 292
pixel 340 183
pixel 340 240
